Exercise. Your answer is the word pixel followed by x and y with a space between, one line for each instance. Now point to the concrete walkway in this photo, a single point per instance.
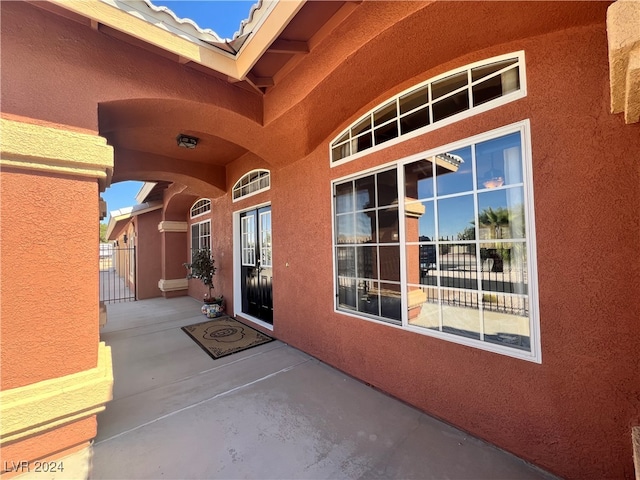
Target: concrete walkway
pixel 267 412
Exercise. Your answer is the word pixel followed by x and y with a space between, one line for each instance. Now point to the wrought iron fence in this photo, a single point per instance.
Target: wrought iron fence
pixel 117 273
pixel 501 272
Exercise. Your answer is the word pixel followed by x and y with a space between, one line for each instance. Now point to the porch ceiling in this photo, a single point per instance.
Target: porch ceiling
pixel 210 150
pixel 325 64
pixel 276 34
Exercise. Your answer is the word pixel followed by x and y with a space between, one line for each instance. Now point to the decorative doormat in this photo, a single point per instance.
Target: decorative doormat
pixel 225 335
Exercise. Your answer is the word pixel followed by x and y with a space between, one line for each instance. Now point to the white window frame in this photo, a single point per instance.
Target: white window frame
pixel 471 111
pixel 248 241
pixel 200 207
pixel 237 268
pixel 268 249
pixel 237 187
pixel 201 237
pixel 523 127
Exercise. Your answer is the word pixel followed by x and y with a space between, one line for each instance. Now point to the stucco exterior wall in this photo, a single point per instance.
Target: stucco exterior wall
pixel 45 286
pixel 37 45
pixel 571 414
pixel 148 254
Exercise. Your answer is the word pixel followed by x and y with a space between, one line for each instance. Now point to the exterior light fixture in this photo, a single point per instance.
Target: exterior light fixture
pixel 125 238
pixel 186 141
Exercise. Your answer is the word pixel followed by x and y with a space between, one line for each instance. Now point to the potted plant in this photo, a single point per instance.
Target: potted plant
pixel 202 267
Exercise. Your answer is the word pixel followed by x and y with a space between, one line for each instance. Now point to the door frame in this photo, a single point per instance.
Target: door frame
pixel 237 275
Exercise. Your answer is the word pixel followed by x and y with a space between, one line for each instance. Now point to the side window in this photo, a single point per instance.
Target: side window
pixel 200 236
pixel 367 245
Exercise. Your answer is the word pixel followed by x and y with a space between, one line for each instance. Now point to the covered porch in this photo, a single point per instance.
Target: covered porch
pixel 268 412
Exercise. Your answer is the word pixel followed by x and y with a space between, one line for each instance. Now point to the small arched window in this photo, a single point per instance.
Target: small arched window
pixel 201 206
pixel 436 102
pixel 253 182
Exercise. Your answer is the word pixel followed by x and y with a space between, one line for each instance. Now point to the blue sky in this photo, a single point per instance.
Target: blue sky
pixel 223 17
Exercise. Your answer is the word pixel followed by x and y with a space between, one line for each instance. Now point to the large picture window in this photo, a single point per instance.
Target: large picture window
pixel 456 260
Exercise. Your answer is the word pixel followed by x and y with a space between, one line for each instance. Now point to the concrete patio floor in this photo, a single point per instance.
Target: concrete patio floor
pixel 267 412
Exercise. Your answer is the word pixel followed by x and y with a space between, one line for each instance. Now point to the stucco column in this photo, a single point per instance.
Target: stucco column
pixel 56 375
pixel 174 247
pixel 416 297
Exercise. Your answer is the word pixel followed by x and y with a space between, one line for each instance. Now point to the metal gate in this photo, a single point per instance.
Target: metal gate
pixel 117 273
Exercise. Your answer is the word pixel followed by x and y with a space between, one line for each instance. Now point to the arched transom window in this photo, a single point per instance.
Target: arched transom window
pixel 253 182
pixel 201 206
pixel 436 102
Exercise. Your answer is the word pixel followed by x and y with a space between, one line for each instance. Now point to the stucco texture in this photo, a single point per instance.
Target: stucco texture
pixel 50 445
pixel 49 297
pixel 571 414
pixel 148 254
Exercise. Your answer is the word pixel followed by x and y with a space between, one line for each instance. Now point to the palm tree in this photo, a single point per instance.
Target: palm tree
pixel 495 219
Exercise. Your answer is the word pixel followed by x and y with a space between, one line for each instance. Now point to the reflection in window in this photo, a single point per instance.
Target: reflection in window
pixel 465 272
pixel 200 237
pixel 470 264
pixel 265 240
pixel 368 255
pixel 433 101
pixel 248 241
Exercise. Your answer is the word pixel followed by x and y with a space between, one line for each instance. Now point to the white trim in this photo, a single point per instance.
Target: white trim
pixel 237 256
pixel 472 111
pixel 173 284
pixel 257 321
pixel 200 236
pixel 260 190
pixel 191 215
pixel 172 226
pixel 144 191
pixel 246 222
pixel 117 216
pixel 261 230
pixel 523 127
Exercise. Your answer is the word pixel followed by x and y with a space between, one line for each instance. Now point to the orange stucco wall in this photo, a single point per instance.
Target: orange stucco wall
pixel 50 445
pixel 110 70
pixel 148 254
pixel 49 299
pixel 571 414
pixel 559 415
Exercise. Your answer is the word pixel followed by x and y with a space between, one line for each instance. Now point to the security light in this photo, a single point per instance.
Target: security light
pixel 186 141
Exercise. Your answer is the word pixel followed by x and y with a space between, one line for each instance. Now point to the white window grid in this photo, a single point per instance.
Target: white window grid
pixel 390 113
pixel 265 240
pixel 534 354
pixel 252 183
pixel 201 236
pixel 248 240
pixel 377 281
pixel 201 206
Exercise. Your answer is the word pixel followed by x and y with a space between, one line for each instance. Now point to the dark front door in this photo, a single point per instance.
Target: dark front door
pixel 256 263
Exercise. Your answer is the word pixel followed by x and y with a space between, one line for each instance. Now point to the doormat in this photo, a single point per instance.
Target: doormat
pixel 225 335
